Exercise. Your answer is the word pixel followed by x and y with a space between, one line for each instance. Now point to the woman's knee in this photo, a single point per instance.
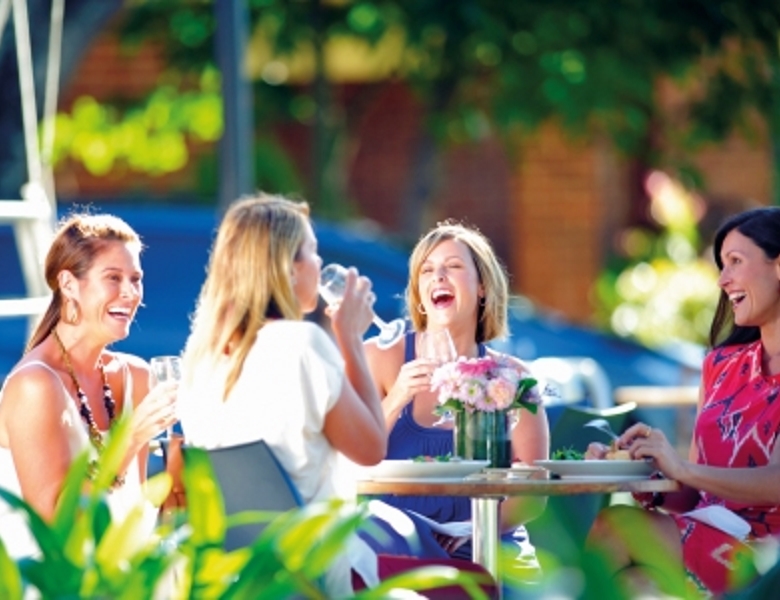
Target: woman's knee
pixel 612 520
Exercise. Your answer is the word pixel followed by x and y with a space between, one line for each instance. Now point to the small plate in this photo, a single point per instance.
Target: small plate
pixel 597 468
pixel 410 469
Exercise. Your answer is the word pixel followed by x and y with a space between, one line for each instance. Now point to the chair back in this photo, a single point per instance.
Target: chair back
pixel 569 430
pixel 565 524
pixel 250 478
pixel 576 380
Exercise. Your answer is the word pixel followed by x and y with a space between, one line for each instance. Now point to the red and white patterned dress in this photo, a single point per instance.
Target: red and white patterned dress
pixel 737 427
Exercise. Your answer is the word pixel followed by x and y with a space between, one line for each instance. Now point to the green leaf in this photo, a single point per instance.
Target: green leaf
pixel 425 578
pixel 11 584
pixel 205 507
pixel 451 405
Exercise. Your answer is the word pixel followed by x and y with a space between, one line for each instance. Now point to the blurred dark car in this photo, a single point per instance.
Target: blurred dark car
pixel 178 239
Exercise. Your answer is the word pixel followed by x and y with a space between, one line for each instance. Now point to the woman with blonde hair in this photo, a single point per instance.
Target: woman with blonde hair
pixel 457 283
pixel 254 369
pixel 65 393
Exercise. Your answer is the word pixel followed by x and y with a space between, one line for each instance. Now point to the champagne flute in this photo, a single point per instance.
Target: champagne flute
pixel 333 279
pixel 438 347
pixel 165 368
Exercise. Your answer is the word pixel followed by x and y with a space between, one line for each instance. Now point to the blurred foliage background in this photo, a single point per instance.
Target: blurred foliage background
pixel 480 69
pixel 662 286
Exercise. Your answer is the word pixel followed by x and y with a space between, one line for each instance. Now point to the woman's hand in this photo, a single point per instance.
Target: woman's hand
pixel 450 543
pixel 643 441
pixel 596 451
pixel 413 378
pixel 353 315
pixel 155 413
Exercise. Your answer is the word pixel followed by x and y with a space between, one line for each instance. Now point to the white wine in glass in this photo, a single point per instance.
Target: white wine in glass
pixel 333 279
pixel 165 368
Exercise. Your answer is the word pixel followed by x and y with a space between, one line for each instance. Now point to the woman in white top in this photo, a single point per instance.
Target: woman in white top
pixel 253 368
pixel 64 394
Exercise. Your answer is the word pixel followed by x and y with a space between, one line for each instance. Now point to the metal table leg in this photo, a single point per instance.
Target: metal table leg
pixel 484 523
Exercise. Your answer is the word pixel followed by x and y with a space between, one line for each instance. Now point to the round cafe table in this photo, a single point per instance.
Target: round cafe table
pixel 486 493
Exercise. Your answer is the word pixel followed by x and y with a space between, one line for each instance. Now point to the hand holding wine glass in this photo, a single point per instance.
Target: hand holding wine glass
pixel 333 279
pixel 437 346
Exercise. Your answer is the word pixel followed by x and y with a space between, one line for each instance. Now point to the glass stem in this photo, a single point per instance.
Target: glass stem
pixel 379 322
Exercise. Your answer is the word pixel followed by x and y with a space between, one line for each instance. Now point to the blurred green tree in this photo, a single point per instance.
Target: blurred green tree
pixel 661 288
pixel 483 67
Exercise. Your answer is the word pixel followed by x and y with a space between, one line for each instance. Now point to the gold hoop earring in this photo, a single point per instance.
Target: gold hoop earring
pixel 72 316
pixel 421 309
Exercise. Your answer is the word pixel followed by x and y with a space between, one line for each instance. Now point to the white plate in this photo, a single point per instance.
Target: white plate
pixel 513 472
pixel 597 468
pixel 409 469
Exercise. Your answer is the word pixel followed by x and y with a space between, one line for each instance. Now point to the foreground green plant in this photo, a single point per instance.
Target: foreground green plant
pixel 84 554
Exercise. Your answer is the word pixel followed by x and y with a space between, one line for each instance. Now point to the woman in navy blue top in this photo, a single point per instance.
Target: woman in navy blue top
pixel 456 282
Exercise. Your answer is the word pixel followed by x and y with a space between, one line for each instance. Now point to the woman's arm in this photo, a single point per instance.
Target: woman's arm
pixel 355 425
pixel 530 442
pixel 154 410
pixel 35 420
pixel 397 381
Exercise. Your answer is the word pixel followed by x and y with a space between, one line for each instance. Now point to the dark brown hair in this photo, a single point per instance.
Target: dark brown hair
pixel 78 240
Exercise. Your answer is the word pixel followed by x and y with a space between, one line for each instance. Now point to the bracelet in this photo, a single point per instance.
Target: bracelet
pixel 656 499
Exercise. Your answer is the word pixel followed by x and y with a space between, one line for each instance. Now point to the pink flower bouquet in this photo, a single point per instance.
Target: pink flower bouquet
pixel 485 384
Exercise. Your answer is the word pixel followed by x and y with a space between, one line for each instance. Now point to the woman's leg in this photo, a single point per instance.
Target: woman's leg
pixel 641 548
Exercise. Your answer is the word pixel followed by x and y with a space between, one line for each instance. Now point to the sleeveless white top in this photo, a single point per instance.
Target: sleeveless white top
pixel 13 525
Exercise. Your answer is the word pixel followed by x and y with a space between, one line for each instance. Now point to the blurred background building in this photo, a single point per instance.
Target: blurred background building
pixel 598 145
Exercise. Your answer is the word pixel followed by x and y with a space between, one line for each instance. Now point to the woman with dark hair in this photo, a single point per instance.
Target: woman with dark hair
pixel 65 393
pixel 702 538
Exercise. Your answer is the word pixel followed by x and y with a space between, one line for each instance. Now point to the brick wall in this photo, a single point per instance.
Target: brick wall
pixel 566 195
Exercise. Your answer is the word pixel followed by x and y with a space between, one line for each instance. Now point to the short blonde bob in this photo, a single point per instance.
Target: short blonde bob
pixel 492 312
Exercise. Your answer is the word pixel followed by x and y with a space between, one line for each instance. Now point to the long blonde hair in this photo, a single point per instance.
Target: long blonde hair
pixel 79 239
pixel 492 312
pixel 248 281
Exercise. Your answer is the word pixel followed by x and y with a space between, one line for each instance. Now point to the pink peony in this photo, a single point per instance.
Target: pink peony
pixel 484 384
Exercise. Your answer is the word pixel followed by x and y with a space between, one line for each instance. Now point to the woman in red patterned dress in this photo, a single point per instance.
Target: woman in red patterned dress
pixel 731 480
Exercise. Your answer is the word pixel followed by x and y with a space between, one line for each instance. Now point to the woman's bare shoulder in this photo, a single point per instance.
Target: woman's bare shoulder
pixel 31 386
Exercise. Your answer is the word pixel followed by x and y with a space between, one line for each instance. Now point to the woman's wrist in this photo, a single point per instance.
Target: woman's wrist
pixel 651 500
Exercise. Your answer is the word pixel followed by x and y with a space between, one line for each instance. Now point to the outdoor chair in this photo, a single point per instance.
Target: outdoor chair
pixel 563 527
pixel 572 381
pixel 251 478
pixel 569 430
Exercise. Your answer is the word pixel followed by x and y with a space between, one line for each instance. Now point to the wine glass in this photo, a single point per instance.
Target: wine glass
pixel 333 278
pixel 438 347
pixel 165 368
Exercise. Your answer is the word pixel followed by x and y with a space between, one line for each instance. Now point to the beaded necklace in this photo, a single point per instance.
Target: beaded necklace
pixel 95 436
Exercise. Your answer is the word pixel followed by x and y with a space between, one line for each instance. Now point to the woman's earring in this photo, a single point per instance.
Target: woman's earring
pixel 482 301
pixel 421 309
pixel 72 315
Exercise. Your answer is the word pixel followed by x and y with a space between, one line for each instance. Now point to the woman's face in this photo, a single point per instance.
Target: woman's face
pixel 750 280
pixel 110 292
pixel 306 272
pixel 449 284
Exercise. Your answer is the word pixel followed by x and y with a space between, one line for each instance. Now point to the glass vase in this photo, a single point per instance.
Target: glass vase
pixel 483 436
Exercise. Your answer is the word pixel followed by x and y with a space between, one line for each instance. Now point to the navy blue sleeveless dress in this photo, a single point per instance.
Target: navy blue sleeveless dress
pixel 409 439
